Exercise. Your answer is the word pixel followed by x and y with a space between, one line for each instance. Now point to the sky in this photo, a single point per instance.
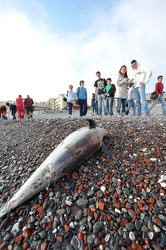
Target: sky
pixel 47 45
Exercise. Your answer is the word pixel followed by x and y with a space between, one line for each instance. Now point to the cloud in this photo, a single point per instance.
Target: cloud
pixel 36 60
pixel 39 7
pixel 132 30
pixel 32 61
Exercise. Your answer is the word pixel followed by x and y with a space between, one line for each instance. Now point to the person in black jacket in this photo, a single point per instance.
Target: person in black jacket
pixel 109 90
pixel 13 109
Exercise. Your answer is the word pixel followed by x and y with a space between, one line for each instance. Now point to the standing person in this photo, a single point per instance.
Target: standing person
pixel 159 86
pixel 109 96
pixel 130 99
pixel 81 95
pixel 28 104
pixel 99 85
pixel 20 107
pixel 94 104
pixel 70 95
pixel 122 83
pixel 141 75
pixel 13 109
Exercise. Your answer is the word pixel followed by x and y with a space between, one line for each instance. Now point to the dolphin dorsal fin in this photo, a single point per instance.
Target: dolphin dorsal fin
pixel 92 123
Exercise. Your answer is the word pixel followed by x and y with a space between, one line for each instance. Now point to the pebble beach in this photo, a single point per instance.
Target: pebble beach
pixel 106 203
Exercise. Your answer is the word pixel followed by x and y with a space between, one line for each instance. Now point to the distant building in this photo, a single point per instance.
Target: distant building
pixel 57 103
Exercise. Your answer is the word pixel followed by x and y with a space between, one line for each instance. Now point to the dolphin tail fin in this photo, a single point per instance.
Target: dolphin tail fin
pixel 5 209
pixel 92 123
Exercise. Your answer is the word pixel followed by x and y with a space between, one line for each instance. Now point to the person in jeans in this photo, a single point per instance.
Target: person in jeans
pixel 159 86
pixel 99 85
pixel 81 94
pixel 141 75
pixel 130 99
pixel 70 95
pixel 121 91
pixel 94 104
pixel 109 96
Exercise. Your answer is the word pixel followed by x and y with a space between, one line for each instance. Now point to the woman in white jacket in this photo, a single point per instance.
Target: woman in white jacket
pixel 70 95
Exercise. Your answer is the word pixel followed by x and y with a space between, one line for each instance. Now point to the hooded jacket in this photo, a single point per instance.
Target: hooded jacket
pixel 141 74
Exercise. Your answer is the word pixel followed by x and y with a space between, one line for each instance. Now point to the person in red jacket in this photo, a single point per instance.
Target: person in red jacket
pixel 159 86
pixel 3 112
pixel 20 107
pixel 28 104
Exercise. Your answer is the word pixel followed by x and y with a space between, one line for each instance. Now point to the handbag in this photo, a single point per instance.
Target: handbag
pixel 77 101
pixel 64 99
pixel 153 95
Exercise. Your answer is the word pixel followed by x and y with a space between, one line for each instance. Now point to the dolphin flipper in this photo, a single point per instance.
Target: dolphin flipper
pixel 105 150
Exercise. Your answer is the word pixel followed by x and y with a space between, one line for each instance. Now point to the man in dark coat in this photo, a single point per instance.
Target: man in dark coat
pixel 13 109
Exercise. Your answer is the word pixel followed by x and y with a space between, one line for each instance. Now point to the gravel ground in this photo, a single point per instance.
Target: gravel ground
pixel 105 203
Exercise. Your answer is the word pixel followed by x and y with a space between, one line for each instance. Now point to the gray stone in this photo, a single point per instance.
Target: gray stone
pixel 97 227
pixel 138 224
pixel 78 216
pixel 82 202
pixel 130 226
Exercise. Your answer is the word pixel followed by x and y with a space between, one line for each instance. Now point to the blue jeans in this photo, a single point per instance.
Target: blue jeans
pixel 131 104
pixel 70 106
pixel 100 100
pixel 121 101
pixel 95 108
pixel 83 107
pixel 162 101
pixel 140 96
pixel 108 103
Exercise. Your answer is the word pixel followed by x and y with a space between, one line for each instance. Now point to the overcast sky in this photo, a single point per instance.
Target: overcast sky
pixel 47 45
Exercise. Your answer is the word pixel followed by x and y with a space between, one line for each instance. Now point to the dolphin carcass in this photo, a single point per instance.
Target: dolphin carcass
pixel 69 154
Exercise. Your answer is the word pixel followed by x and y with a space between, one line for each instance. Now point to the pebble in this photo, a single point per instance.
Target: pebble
pixel 82 202
pixel 138 224
pixel 117 203
pixel 75 243
pixel 97 227
pixel 130 226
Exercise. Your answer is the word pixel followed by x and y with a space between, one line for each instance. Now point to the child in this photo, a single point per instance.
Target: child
pixel 159 86
pixel 130 99
pixel 70 95
pixel 81 95
pixel 93 104
pixel 109 90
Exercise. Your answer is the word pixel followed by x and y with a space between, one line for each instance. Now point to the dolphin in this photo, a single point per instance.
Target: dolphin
pixel 69 154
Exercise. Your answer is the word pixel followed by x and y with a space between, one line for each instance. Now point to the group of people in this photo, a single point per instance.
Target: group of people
pixel 23 106
pixel 80 96
pixel 130 93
